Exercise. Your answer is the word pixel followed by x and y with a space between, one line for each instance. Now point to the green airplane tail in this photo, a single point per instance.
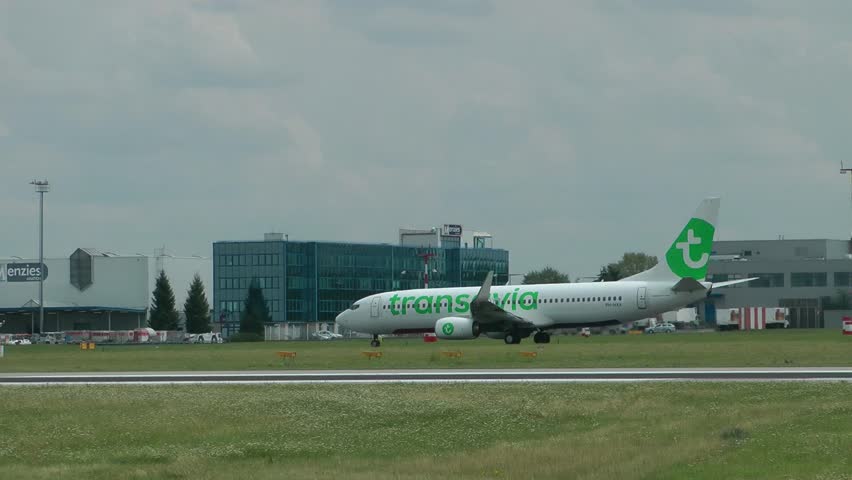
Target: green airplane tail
pixel 689 254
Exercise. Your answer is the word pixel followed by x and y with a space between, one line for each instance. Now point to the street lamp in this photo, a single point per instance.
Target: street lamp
pixel 41 187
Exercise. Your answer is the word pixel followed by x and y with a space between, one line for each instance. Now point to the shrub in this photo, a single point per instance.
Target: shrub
pixel 737 434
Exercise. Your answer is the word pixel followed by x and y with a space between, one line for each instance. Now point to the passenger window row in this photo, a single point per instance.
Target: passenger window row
pixel 529 301
pixel 413 305
pixel 580 299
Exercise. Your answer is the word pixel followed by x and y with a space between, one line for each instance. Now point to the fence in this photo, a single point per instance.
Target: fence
pixel 297 331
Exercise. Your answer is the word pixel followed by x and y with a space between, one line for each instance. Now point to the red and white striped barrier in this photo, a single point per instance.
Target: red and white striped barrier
pixel 755 318
pixel 99 336
pixel 847 325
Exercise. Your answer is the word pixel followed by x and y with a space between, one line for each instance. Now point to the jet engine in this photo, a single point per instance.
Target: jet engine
pixel 456 328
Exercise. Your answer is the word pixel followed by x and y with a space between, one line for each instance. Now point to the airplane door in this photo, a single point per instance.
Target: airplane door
pixel 374 307
pixel 641 301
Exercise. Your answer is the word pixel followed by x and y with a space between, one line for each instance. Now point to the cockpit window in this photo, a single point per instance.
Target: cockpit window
pixel 354 306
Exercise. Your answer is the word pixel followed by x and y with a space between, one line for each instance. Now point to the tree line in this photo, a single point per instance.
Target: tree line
pixel 196 308
pixel 630 264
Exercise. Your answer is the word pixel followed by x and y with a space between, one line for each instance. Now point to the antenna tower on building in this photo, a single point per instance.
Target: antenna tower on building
pixel 160 253
pixel 844 171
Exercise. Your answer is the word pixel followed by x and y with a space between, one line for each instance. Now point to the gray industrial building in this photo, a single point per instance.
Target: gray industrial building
pixel 90 289
pixel 805 276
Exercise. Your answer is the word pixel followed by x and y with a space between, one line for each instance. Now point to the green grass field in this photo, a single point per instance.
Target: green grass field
pixel 729 349
pixel 469 431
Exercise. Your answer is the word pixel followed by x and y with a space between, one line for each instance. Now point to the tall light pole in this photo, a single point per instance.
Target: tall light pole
pixel 41 187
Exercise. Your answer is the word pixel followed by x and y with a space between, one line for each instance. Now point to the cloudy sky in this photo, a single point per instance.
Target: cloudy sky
pixel 570 130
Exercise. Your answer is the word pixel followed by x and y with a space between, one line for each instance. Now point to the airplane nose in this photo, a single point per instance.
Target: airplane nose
pixel 342 320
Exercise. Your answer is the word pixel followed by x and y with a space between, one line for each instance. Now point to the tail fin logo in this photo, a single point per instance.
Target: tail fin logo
pixel 690 252
pixel 691 239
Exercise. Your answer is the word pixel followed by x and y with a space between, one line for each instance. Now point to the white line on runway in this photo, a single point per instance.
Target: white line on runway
pixel 435 376
pixel 432 381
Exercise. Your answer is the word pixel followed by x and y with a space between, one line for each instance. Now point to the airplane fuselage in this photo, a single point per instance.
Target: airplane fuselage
pixel 547 306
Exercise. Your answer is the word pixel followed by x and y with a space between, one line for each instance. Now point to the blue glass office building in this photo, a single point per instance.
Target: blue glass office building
pixel 315 281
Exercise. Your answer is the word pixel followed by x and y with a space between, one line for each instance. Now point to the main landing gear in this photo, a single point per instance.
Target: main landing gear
pixel 541 337
pixel 376 343
pixel 512 338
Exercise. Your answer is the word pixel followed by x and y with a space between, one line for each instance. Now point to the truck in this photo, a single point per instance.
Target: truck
pixel 683 318
pixel 644 323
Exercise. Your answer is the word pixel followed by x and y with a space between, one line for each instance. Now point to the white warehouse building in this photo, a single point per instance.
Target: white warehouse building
pixel 91 289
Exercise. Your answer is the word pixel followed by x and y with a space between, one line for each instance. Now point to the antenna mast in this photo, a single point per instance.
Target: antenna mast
pixel 160 262
pixel 426 257
pixel 844 171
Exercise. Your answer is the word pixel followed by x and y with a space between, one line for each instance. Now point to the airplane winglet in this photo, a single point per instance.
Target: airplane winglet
pixel 485 290
pixel 486 312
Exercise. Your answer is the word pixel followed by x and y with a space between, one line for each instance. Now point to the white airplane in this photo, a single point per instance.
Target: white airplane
pixel 515 312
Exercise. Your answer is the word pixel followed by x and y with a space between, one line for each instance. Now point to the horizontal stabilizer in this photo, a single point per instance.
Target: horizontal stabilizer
pixel 732 282
pixel 688 284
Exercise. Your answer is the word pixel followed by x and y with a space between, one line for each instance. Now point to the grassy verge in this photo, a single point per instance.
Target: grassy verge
pixel 585 431
pixel 756 349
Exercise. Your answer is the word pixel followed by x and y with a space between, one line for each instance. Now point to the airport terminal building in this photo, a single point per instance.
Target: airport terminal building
pixel 805 276
pixel 309 282
pixel 90 289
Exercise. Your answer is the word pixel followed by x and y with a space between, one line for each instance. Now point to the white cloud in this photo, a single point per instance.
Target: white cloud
pixel 307 144
pixel 218 40
pixel 231 110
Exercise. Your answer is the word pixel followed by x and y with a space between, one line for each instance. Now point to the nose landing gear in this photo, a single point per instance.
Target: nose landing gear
pixel 376 343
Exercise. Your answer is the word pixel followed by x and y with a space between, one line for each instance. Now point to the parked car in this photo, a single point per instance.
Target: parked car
pixel 585 332
pixel 210 337
pixel 326 335
pixel 661 328
pixel 51 338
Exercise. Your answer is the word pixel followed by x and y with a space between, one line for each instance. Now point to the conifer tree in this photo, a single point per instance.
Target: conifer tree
pixel 163 313
pixel 196 308
pixel 255 312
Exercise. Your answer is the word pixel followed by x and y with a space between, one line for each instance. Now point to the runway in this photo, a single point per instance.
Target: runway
pixel 433 376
